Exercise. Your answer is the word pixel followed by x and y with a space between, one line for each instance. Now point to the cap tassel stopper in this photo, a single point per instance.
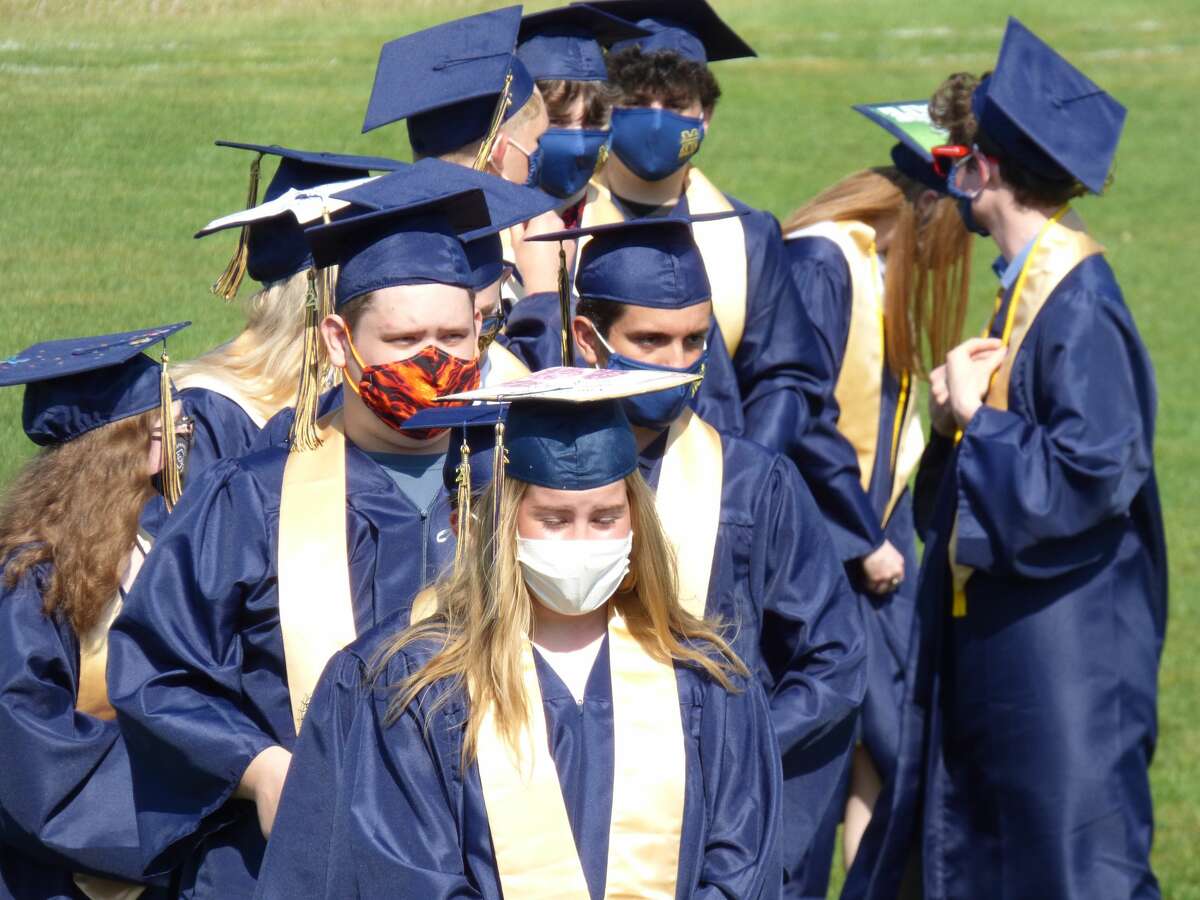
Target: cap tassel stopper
pixel 172 480
pixel 564 308
pixel 231 279
pixel 461 551
pixel 303 435
pixel 489 140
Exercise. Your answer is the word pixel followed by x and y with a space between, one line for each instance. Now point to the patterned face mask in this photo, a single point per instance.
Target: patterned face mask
pixel 396 391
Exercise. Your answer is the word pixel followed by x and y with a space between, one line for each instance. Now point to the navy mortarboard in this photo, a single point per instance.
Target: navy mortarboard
pixel 455 83
pixel 568 43
pixel 908 121
pixel 75 385
pixel 690 28
pixel 1047 115
pixel 274 248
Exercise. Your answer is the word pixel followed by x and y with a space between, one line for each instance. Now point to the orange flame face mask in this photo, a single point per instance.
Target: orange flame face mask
pixel 396 391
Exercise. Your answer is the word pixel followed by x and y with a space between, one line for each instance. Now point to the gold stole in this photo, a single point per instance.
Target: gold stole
pixel 536 856
pixel 226 390
pixel 96 888
pixel 316 614
pixel 1061 245
pixel 859 388
pixel 503 365
pixel 722 246
pixel 688 501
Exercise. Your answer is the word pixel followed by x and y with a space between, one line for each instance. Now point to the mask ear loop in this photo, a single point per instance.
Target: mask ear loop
pixel 605 344
pixel 358 359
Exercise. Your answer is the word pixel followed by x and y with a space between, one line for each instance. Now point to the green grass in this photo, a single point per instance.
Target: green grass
pixel 109 110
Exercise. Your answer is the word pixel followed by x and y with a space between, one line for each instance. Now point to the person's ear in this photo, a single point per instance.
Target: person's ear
pixel 586 340
pixel 926 205
pixel 335 333
pixel 499 151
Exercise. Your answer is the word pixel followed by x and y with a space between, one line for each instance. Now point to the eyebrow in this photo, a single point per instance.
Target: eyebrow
pixel 553 510
pixel 609 510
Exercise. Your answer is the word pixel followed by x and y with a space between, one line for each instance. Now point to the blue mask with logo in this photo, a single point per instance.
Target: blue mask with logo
pixel 659 409
pixel 655 143
pixel 569 158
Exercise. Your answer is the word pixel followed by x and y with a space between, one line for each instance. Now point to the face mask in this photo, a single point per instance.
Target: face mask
pixel 659 409
pixel 964 200
pixel 655 143
pixel 570 157
pixel 535 162
pixel 574 577
pixel 395 392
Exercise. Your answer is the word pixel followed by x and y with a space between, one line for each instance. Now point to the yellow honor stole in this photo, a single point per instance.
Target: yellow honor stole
pixel 226 390
pixel 536 856
pixel 1061 245
pixel 722 246
pixel 859 388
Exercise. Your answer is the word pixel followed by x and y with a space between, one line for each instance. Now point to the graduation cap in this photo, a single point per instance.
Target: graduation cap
pixel 690 28
pixel 569 42
pixel 455 83
pixel 908 121
pixel 76 385
pixel 1047 115
pixel 272 247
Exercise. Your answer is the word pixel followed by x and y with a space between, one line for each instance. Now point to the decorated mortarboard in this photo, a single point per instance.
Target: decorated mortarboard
pixel 271 246
pixel 569 42
pixel 908 121
pixel 690 28
pixel 76 385
pixel 1046 115
pixel 455 83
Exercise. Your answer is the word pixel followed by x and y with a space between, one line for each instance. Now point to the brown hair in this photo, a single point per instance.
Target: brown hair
pixel 484 614
pixel 560 95
pixel 76 505
pixel 663 75
pixel 928 263
pixel 950 108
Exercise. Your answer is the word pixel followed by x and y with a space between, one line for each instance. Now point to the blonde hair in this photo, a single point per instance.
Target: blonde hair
pixel 928 264
pixel 484 613
pixel 465 156
pixel 264 362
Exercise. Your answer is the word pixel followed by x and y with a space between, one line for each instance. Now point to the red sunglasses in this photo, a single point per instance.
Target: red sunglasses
pixel 946 155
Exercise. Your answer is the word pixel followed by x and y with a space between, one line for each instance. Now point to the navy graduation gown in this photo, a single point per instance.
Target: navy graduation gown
pixel 66 797
pixel 403 820
pixel 196 662
pixel 778 582
pixel 1032 719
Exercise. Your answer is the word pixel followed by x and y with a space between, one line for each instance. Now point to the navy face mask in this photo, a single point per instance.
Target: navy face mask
pixel 535 162
pixel 569 158
pixel 659 409
pixel 655 143
pixel 964 200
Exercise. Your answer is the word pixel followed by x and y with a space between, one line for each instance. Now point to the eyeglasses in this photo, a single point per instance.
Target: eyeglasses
pixel 946 156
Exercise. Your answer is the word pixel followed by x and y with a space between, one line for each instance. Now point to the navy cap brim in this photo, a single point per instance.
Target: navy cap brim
pixel 696 17
pixel 667 221
pixel 603 27
pixel 75 356
pixel 908 121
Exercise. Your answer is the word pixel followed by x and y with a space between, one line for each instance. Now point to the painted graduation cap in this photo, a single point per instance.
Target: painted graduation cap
pixel 569 42
pixel 908 121
pixel 454 83
pixel 272 247
pixel 690 28
pixel 1047 115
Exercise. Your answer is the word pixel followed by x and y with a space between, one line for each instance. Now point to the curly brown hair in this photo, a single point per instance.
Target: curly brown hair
pixel 560 95
pixel 950 107
pixel 76 505
pixel 664 76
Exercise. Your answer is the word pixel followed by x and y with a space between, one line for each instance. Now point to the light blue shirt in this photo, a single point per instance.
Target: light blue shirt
pixel 1008 271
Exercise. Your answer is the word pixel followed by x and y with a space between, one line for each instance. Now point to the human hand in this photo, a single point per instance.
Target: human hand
pixel 262 782
pixel 883 569
pixel 941 417
pixel 969 370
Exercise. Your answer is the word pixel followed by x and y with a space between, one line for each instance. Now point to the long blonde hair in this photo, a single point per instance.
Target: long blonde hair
pixel 484 613
pixel 928 263
pixel 264 362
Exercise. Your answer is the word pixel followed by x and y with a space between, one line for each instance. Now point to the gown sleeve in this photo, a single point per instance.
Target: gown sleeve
pixel 533 331
pixel 743 796
pixel 1028 486
pixel 222 429
pixel 175 654
pixel 65 793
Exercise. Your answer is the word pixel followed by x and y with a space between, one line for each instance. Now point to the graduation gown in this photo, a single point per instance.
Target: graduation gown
pixel 196 659
pixel 777 581
pixel 66 796
pixel 1032 718
pixel 376 810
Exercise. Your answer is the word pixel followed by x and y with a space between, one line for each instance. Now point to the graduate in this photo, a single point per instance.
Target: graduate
pixel 70 547
pixel 559 725
pixel 1042 604
pixel 882 261
pixel 274 561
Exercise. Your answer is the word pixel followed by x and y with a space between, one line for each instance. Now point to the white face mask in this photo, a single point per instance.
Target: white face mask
pixel 574 577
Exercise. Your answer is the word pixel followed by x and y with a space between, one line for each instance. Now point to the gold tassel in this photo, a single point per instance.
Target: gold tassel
pixel 172 483
pixel 498 459
pixel 564 308
pixel 227 285
pixel 489 139
pixel 464 504
pixel 303 435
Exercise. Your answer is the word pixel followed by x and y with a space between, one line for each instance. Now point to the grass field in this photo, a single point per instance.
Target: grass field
pixel 109 111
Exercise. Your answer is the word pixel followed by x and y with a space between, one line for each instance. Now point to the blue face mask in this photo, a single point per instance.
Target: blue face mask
pixel 570 156
pixel 655 143
pixel 964 200
pixel 535 162
pixel 658 410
